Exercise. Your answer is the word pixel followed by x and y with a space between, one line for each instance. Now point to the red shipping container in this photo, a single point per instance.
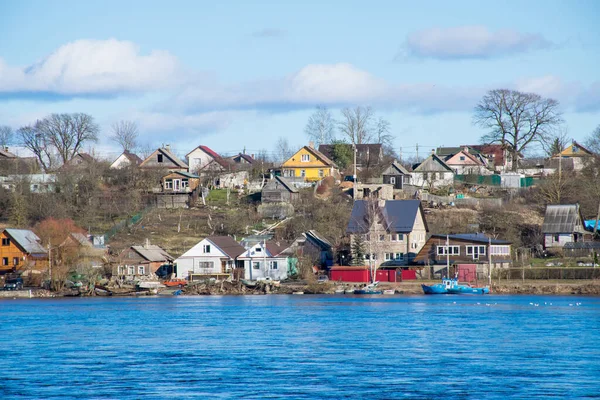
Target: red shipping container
pixel 350 274
pixel 409 275
pixel 467 272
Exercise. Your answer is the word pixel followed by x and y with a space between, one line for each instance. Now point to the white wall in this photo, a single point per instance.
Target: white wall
pixel 265 270
pixel 443 179
pixel 198 159
pixel 563 238
pixel 191 259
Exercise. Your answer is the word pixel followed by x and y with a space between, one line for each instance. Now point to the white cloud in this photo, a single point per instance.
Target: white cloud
pixel 471 41
pixel 93 67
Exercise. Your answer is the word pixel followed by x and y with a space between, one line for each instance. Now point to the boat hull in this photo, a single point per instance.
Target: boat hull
pixel 469 290
pixel 438 288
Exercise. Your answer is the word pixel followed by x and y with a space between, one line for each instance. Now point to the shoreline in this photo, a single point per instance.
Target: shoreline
pixel 586 288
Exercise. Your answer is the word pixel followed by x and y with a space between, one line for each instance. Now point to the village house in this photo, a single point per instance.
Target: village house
pixel 179 182
pixel 126 159
pixel 201 157
pixel 164 158
pixel 396 175
pixel 383 191
pixel 267 259
pixel 576 152
pixel 476 252
pixel 79 162
pixel 313 245
pixel 367 154
pixel 214 256
pixel 38 183
pixel 242 160
pixel 82 252
pixel 138 261
pixel 279 190
pixel 11 164
pixel 21 250
pixel 563 224
pixel 498 157
pixel 392 231
pixel 308 164
pixel 433 172
pixel 465 163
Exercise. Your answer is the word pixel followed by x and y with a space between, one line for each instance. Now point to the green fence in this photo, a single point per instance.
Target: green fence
pixel 119 226
pixel 489 180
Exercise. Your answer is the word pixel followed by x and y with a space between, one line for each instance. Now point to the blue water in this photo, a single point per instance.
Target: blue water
pixel 301 347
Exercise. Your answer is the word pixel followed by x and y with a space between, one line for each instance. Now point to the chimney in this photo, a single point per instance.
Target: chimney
pixel 466 149
pixel 147 243
pixel 432 151
pixel 251 155
pixel 168 146
pixel 311 145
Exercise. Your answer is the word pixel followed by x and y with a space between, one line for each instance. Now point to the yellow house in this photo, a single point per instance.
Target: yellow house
pixel 310 164
pixel 575 150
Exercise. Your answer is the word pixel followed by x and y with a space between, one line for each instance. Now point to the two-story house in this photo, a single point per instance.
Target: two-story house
pixel 433 172
pixel 212 256
pixel 267 259
pixel 164 158
pixel 392 232
pixel 309 165
pixel 21 250
pixel 201 157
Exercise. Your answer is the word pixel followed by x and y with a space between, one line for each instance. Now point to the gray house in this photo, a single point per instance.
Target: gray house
pixel 279 190
pixel 396 175
pixel 432 172
pixel 563 224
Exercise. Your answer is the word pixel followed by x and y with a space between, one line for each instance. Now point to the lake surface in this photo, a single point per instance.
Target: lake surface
pixel 301 347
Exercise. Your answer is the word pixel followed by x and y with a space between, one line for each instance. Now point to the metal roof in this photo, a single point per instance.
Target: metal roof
pixel 27 240
pixel 582 245
pixel 153 253
pixel 562 218
pixel 397 215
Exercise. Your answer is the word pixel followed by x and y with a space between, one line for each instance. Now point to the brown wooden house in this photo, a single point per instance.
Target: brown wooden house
pixel 465 248
pixel 180 182
pixel 21 250
pixel 141 261
pixel 164 158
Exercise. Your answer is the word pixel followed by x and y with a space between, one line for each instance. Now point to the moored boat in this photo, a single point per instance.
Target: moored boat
pixel 369 289
pixel 451 286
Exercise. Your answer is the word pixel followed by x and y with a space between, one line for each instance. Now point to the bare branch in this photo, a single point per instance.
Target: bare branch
pixel 125 133
pixel 357 124
pixel 67 133
pixel 320 126
pixel 6 136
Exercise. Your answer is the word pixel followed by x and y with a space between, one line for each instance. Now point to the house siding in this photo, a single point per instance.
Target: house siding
pixel 25 260
pixel 313 168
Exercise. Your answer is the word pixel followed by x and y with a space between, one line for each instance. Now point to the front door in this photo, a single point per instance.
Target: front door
pixel 176 185
pixel 223 267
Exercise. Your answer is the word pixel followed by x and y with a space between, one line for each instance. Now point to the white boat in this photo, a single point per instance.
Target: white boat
pixel 389 291
pixel 339 291
pixel 349 291
pixel 298 293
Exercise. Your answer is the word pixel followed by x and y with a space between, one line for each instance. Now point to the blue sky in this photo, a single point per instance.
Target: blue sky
pixel 235 75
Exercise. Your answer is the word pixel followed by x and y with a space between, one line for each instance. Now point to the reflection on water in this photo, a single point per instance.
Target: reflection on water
pixel 301 347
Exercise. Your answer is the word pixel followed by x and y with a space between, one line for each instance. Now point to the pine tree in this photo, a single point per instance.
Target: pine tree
pixel 358 250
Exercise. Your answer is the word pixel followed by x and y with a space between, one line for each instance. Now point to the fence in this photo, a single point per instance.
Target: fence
pixel 125 223
pixel 546 273
pixel 471 201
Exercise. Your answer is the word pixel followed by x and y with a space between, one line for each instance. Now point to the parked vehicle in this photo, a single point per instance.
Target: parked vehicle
pixel 176 283
pixel 13 284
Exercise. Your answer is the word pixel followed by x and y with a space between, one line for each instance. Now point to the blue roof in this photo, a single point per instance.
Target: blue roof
pixel 398 216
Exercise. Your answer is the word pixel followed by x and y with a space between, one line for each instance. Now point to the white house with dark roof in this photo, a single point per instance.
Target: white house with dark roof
pixel 432 172
pixel 126 159
pixel 212 256
pixel 267 259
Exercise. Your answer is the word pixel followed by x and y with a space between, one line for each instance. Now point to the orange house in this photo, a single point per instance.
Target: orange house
pixel 20 250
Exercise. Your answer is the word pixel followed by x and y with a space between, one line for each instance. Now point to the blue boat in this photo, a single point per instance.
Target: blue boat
pixel 369 289
pixel 451 286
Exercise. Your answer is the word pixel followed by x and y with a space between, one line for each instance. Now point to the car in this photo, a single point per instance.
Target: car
pixel 176 283
pixel 13 284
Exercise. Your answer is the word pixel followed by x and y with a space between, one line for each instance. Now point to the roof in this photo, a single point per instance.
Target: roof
pixel 276 247
pixel 185 174
pixel 429 164
pixel 227 245
pixel 27 240
pixel 81 238
pixel 132 157
pixel 397 215
pixel 575 150
pixel 173 157
pixel 316 153
pixel 581 245
pixel 450 151
pixel 153 253
pixel 562 218
pixel 493 151
pixel 246 157
pixel 7 154
pixel 287 184
pixel 471 237
pixel 394 168
pixel 85 157
pixel 318 240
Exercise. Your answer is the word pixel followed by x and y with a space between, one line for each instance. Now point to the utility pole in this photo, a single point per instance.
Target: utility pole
pixel 50 264
pixel 354 183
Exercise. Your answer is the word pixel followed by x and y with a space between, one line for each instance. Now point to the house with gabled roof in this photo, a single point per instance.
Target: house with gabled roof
pixel 579 154
pixel 11 164
pixel 267 259
pixel 205 158
pixel 463 162
pixel 396 175
pixel 279 190
pixel 139 261
pixel 309 164
pixel 242 159
pixel 398 231
pixel 432 172
pixel 126 159
pixel 563 224
pixel 164 158
pixel 21 250
pixel 215 256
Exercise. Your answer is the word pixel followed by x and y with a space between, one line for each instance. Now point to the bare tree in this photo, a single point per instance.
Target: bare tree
pixel 516 119
pixel 67 133
pixel 382 132
pixel 357 124
pixel 31 138
pixel 320 126
pixel 283 149
pixel 125 134
pixel 592 143
pixel 6 136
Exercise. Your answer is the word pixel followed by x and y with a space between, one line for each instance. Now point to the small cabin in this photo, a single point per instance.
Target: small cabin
pixel 279 190
pixel 396 175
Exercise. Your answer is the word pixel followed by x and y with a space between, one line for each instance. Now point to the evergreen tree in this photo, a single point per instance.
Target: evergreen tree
pixel 358 250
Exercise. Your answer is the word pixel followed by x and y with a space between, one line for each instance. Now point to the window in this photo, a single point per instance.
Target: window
pixel 5 242
pixel 305 158
pixel 206 248
pixel 141 270
pixel 434 176
pixel 413 245
pixel 256 265
pixel 400 237
pixel 5 261
pixel 451 250
pixel 399 256
pixel 205 264
pixel 184 183
pixel 394 237
pixel 159 158
pixel 393 180
pixel 273 264
pixel 381 238
pixel 303 173
pixel 120 269
pixel 575 149
pixel 321 173
pixel 130 270
pixel 500 250
pixel 169 184
pixel 556 239
pixel 462 158
pixel 258 250
pixel 425 176
pixel 389 256
pixel 476 251
pixel 15 261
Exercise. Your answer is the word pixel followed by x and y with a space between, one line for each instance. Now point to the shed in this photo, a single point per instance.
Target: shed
pixel 396 175
pixel 563 224
pixel 279 190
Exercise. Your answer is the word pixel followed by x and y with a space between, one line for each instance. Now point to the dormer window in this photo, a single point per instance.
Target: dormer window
pixel 305 158
pixel 575 149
